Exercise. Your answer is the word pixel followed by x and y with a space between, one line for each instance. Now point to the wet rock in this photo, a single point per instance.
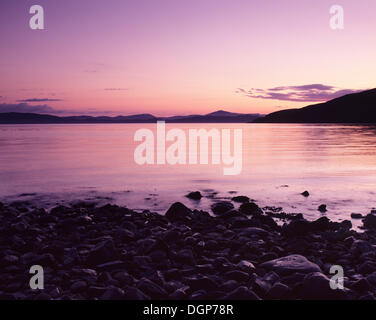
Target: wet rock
pixel 221 207
pixel 368 296
pixel 142 262
pixel 71 257
pixel 9 260
pixel 55 293
pixel 297 228
pixel 45 259
pixel 178 294
pixel 198 295
pixel 321 224
pixel 346 224
pixel 113 293
pixel 237 275
pixel 252 232
pixel 271 277
pixel 196 195
pixel 250 208
pixel 369 221
pixel 124 278
pixel 122 235
pixel 85 272
pixel 241 293
pixel 114 253
pixel 158 256
pixel 349 241
pixel 317 286
pixel 103 252
pixel 241 199
pixel 172 235
pixel 178 212
pixel 268 256
pixel 322 208
pixel 198 283
pixel 361 246
pixel 112 265
pixel 279 291
pixel 229 285
pixel 78 286
pixel 205 268
pixel 371 278
pixel 151 289
pixel 260 286
pixel 185 256
pixel 361 285
pixel 94 291
pixel 246 266
pixel 291 264
pixel 367 267
pixel 42 296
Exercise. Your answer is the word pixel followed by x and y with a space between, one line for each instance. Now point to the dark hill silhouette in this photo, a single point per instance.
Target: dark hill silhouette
pixel 352 108
pixel 215 117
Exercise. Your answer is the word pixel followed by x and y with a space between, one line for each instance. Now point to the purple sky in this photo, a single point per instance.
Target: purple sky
pixel 180 57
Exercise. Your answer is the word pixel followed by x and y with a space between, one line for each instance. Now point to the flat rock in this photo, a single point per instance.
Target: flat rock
pixel 178 211
pixel 291 264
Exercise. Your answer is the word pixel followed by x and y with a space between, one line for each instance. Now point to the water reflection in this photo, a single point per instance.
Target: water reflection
pixel 336 163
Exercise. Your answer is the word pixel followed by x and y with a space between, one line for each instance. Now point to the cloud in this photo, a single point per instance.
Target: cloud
pixel 302 93
pixel 27 108
pixel 45 109
pixel 39 100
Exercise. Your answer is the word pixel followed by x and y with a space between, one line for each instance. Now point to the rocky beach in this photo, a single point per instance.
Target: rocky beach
pixel 232 253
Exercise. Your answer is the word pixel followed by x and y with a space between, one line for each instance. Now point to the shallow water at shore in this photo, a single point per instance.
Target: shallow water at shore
pixel 60 163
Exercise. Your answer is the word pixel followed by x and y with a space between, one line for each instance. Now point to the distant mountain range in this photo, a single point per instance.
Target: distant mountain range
pixel 352 108
pixel 214 117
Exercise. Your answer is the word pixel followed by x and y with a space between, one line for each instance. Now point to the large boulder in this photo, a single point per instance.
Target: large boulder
pixel 369 221
pixel 250 208
pixel 178 212
pixel 195 195
pixel 316 286
pixel 299 227
pixel 291 264
pixel 241 199
pixel 221 207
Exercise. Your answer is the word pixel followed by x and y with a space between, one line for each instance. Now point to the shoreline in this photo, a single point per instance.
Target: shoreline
pixel 112 252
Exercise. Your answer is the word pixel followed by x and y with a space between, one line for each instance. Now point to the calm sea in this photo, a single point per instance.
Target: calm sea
pixel 59 163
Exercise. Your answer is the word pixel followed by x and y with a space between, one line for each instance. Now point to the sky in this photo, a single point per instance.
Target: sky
pixel 169 57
